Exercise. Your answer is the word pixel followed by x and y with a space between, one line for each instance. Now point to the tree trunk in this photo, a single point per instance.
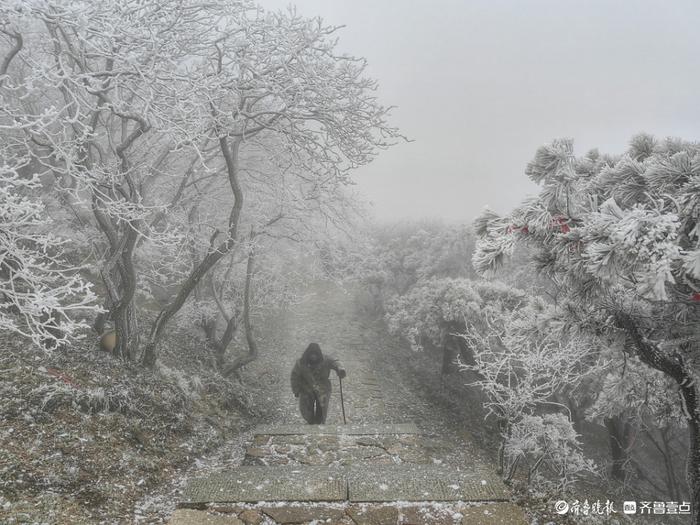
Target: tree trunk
pixel 120 269
pixel 577 409
pixel 101 320
pixel 250 339
pixel 121 247
pixel 226 338
pixel 619 434
pixel 157 329
pixel 689 391
pixel 231 157
pixel 676 368
pixel 449 354
pixel 125 324
pixel 220 344
pixel 668 460
pixel 663 445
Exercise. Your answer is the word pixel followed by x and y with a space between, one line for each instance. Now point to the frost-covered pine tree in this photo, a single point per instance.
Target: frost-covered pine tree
pixel 620 238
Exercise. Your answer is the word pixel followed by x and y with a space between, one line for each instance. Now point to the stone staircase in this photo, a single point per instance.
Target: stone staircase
pixel 370 474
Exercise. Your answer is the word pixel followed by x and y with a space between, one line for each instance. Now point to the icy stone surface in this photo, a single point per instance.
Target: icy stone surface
pixel 353 429
pixel 246 484
pixel 303 514
pixel 422 483
pixel 193 517
pixel 498 514
pixel 378 483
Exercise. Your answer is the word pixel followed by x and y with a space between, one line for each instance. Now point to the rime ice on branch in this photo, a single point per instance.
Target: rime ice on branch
pixel 177 134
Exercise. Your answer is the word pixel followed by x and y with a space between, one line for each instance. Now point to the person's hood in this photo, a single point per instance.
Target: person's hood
pixel 312 355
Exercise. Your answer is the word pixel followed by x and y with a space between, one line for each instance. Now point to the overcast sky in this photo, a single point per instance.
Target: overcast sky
pixel 480 84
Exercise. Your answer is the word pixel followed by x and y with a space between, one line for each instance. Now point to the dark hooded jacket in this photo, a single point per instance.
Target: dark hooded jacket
pixel 311 372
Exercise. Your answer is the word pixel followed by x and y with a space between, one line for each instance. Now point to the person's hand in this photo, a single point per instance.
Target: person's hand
pixel 342 373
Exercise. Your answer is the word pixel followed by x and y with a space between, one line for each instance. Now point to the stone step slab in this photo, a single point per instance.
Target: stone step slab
pixel 352 429
pixel 417 482
pixel 375 483
pixel 338 449
pixel 196 517
pixel 254 484
pixel 502 513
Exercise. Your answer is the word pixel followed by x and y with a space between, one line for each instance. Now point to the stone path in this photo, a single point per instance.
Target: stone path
pixel 380 468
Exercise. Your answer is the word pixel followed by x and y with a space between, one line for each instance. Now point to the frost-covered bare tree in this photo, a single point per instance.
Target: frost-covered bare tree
pixel 41 293
pixel 281 222
pixel 619 236
pixel 276 77
pixel 161 112
pixel 89 67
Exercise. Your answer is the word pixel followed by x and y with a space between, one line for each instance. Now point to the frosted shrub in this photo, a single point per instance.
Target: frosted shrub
pixel 89 400
pixel 190 387
pixel 437 309
pixel 546 449
pixel 522 360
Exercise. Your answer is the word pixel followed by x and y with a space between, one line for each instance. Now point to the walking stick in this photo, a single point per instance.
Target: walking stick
pixel 342 403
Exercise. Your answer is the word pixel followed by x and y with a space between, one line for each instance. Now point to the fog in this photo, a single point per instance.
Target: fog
pixel 197 325
pixel 479 85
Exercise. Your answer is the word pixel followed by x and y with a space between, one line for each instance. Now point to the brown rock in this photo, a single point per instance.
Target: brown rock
pixel 290 515
pixel 344 520
pixel 426 515
pixel 395 449
pixel 251 517
pixel 314 459
pixel 201 517
pixel 383 515
pixel 494 514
